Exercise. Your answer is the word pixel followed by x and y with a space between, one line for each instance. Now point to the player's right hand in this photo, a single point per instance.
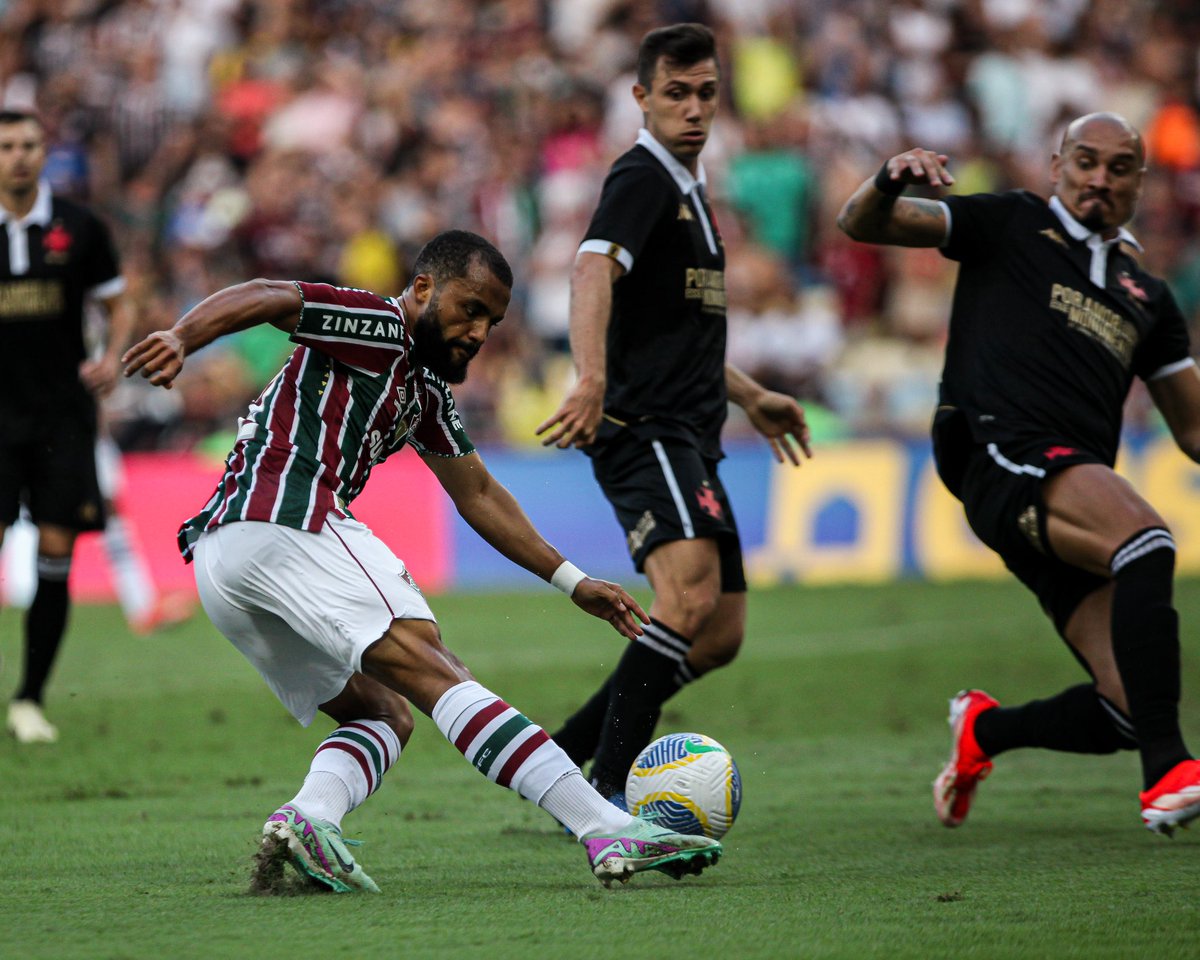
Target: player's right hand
pixel 578 419
pixel 610 601
pixel 159 357
pixel 920 166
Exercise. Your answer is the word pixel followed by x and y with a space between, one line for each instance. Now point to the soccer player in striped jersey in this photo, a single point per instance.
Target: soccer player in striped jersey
pixel 326 613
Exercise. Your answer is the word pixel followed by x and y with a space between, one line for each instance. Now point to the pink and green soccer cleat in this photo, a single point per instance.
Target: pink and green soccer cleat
pixel 643 846
pixel 316 849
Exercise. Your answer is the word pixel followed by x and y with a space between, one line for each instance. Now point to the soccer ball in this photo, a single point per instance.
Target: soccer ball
pixel 687 783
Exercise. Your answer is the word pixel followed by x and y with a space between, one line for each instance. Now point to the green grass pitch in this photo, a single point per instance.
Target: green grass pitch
pixel 132 838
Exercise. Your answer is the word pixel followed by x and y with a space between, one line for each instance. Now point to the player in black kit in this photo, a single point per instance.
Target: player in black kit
pixel 648 339
pixel 1052 319
pixel 53 255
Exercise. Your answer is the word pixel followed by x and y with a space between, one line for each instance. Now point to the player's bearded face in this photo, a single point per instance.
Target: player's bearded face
pixel 447 358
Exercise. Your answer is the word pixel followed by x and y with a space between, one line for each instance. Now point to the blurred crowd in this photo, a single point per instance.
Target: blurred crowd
pixel 327 139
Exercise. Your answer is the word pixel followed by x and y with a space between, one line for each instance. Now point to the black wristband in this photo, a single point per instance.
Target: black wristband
pixel 886 185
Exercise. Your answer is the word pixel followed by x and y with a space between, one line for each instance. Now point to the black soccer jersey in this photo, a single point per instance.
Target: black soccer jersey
pixel 666 338
pixel 49 262
pixel 1049 324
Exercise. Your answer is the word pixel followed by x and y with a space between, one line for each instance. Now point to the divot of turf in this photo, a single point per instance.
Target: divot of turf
pixel 268 878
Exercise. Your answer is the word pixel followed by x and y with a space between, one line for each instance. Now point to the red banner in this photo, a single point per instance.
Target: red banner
pixel 403 504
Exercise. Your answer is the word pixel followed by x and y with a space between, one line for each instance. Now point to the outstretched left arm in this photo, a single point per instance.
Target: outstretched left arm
pixel 496 516
pixel 160 356
pixel 1178 398
pixel 776 416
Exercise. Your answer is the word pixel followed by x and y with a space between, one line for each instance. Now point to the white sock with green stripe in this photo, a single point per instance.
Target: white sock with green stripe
pixel 347 768
pixel 503 744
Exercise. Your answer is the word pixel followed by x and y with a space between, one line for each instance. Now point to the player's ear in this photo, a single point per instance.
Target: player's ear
pixel 1055 168
pixel 639 94
pixel 423 286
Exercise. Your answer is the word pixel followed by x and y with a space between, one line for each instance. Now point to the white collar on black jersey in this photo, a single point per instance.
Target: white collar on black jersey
pixel 683 177
pixel 18 239
pixel 688 185
pixel 1097 244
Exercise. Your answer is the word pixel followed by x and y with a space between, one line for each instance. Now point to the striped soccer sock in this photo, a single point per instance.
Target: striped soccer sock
pixel 500 742
pixel 580 733
pixel 684 674
pixel 347 768
pixel 1145 639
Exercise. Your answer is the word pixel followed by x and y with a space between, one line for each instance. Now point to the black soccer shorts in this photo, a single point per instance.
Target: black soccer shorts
pixel 50 466
pixel 1002 496
pixel 664 490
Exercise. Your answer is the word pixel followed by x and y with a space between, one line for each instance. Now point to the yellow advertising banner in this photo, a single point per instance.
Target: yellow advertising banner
pixel 868 511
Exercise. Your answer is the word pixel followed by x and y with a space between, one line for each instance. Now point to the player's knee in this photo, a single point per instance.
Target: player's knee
pixel 399 717
pixel 379 703
pixel 718 652
pixel 688 610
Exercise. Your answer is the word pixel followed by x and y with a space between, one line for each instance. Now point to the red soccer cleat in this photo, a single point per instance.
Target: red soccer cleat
pixel 954 789
pixel 1174 801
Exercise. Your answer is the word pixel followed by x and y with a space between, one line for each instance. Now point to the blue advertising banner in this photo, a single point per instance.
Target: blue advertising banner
pixel 861 511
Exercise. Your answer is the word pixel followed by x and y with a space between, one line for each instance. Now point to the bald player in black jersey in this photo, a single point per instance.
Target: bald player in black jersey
pixel 648 339
pixel 1052 319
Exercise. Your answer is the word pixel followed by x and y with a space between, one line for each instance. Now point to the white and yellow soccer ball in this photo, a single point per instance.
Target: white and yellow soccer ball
pixel 685 782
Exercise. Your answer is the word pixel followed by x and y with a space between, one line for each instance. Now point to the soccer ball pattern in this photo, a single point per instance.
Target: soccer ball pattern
pixel 686 782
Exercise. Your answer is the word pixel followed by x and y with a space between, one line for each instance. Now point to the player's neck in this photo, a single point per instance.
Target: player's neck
pixel 408 307
pixel 690 163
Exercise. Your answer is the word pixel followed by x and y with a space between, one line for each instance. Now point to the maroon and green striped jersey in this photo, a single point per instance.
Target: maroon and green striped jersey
pixel 347 398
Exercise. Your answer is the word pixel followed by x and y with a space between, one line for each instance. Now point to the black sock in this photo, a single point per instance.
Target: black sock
pixel 643 681
pixel 580 733
pixel 45 623
pixel 579 736
pixel 1075 721
pixel 1145 635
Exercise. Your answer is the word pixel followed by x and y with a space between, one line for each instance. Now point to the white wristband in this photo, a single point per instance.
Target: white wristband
pixel 566 578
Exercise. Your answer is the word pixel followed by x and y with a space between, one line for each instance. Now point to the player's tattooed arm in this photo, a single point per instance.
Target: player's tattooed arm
pixel 898 221
pixel 876 213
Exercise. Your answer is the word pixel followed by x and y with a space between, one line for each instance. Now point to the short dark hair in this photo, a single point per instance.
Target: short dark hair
pixel 681 44
pixel 9 117
pixel 449 255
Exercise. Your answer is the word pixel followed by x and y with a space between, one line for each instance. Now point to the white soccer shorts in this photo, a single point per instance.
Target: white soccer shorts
pixel 303 607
